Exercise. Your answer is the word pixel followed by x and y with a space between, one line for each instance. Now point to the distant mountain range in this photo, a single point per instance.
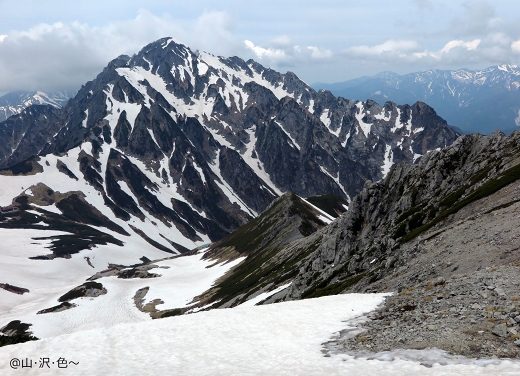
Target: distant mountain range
pixel 16 101
pixel 474 101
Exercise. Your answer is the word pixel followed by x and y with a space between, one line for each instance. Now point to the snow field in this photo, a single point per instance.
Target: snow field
pixel 277 339
pixel 12 186
pixel 181 279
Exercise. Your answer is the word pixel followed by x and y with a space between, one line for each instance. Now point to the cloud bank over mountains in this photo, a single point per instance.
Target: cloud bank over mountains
pixel 56 56
pixel 343 41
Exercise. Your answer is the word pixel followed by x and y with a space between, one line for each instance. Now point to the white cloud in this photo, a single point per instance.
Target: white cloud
pixel 318 53
pixel 470 46
pixel 493 48
pixel 287 53
pixel 515 46
pixel 390 47
pixel 435 34
pixel 66 55
pixel 266 53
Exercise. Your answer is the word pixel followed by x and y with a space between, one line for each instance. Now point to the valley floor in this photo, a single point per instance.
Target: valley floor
pixel 277 339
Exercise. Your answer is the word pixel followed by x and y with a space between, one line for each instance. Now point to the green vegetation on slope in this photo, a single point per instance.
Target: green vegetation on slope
pixel 266 243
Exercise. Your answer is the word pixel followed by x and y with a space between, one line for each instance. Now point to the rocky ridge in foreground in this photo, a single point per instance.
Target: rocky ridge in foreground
pixel 459 290
pixel 443 234
pixel 387 222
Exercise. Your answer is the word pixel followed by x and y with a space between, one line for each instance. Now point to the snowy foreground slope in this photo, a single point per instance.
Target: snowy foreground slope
pixel 277 339
pixel 176 282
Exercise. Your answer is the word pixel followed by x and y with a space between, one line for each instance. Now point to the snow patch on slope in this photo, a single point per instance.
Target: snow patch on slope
pixel 324 216
pixel 383 115
pixel 365 127
pixel 257 299
pixel 227 190
pixel 256 164
pixel 293 141
pixel 388 161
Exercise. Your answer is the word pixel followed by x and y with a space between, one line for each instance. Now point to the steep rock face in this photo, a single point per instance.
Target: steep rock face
pixel 199 145
pixel 367 242
pixel 24 135
pixel 234 100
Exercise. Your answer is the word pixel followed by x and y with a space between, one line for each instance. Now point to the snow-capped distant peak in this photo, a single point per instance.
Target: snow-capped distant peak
pixel 15 102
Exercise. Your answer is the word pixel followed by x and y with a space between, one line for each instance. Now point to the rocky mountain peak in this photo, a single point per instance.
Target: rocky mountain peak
pixel 199 145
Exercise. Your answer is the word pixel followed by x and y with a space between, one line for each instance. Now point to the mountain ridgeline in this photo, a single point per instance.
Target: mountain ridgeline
pixel 180 148
pixel 422 221
pixel 214 182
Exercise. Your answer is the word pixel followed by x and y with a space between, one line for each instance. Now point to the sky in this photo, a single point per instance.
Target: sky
pixel 61 44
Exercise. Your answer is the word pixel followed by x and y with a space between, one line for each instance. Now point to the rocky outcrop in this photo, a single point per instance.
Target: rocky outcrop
pixel 476 315
pixel 369 241
pixel 13 289
pixel 88 289
pixel 442 234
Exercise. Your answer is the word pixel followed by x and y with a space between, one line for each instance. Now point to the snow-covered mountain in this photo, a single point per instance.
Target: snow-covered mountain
pixel 15 102
pixel 198 145
pixel 107 206
pixel 475 101
pixel 169 150
pixel 220 136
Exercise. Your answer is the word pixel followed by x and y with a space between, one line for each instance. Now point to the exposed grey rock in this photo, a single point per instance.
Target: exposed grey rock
pixel 16 328
pixel 500 330
pixel 411 319
pixel 59 308
pixel 13 289
pixel 385 220
pixel 88 289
